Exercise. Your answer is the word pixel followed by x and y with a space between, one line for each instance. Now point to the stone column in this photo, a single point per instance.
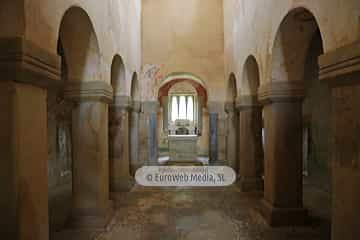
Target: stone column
pixel 165 107
pixel 90 205
pixel 213 132
pixel 148 133
pixel 119 147
pixel 231 136
pixel 134 137
pixel 250 142
pixel 282 203
pixel 341 70
pixel 26 71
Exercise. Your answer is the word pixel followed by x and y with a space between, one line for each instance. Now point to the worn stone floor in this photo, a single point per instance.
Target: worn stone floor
pixel 200 214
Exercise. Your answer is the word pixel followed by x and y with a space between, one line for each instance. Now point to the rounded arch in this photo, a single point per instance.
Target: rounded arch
pixel 231 93
pixel 135 92
pixel 118 75
pixel 175 78
pixel 250 80
pixel 184 75
pixel 291 45
pixel 80 45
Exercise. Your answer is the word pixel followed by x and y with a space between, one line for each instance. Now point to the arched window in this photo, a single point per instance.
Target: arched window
pixel 182 107
pixel 190 108
pixel 174 108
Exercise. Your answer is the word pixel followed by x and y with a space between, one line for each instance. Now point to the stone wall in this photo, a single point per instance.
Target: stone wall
pixel 183 36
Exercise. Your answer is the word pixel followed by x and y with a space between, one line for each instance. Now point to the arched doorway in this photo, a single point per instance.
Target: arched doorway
pixel 181 130
pixel 288 118
pixel 250 115
pixel 119 119
pixel 87 162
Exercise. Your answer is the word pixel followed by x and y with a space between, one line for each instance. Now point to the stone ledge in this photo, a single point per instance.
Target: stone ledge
pixel 89 91
pixel 342 62
pixel 24 62
pixel 281 91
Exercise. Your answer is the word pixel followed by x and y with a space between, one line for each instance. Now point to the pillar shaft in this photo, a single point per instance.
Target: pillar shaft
pixel 90 204
pixel 148 152
pixel 231 137
pixel 251 152
pixel 23 138
pixel 282 204
pixel 134 138
pixel 119 137
pixel 23 144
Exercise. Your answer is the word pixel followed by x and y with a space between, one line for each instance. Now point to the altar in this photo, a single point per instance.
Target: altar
pixel 183 148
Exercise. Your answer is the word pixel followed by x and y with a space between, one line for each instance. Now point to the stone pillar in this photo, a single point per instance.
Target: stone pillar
pixel 119 147
pixel 149 141
pixel 341 70
pixel 90 205
pixel 165 107
pixel 200 115
pixel 250 142
pixel 26 72
pixel 231 136
pixel 282 203
pixel 213 125
pixel 134 137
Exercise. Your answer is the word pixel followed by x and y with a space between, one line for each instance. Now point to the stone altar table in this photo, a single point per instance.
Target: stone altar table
pixel 183 148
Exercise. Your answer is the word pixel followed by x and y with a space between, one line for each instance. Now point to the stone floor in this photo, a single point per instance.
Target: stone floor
pixel 200 214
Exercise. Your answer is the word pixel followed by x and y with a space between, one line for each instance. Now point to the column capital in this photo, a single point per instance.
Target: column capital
pixel 89 91
pixel 230 107
pixel 136 106
pixel 281 91
pixel 149 106
pixel 216 107
pixel 23 61
pixel 247 101
pixel 124 102
pixel 338 67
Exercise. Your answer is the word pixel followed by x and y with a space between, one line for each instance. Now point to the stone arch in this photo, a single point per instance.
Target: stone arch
pixel 250 80
pixel 81 59
pixel 232 91
pixel 175 78
pixel 80 46
pixel 291 45
pixel 135 91
pixel 282 96
pixel 118 75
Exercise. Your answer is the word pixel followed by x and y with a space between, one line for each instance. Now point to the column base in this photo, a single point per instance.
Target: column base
pixel 282 217
pixel 251 184
pixel 125 185
pixel 91 218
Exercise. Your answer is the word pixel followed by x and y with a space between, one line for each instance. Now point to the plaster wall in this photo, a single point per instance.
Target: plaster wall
pixel 183 36
pixel 116 24
pixel 251 27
